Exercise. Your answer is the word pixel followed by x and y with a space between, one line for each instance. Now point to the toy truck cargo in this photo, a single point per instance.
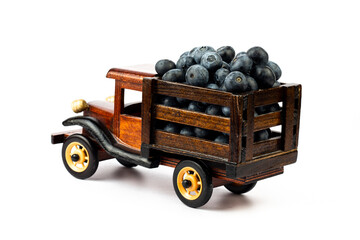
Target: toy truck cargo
pixel 134 135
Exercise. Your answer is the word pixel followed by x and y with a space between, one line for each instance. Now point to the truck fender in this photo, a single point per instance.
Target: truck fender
pixel 106 140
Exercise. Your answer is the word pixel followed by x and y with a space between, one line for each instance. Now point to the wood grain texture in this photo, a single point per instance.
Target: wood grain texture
pixel 267 120
pixel 118 107
pixel 268 96
pixel 103 111
pixel 130 130
pixel 236 111
pixel 267 162
pixel 288 116
pixel 250 125
pixel 192 144
pixel 191 92
pixel 196 119
pixel 270 145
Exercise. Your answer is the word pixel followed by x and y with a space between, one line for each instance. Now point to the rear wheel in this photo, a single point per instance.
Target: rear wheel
pixel 79 156
pixel 192 183
pixel 239 189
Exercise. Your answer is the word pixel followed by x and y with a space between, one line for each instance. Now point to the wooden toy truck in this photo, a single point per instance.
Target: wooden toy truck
pixel 131 134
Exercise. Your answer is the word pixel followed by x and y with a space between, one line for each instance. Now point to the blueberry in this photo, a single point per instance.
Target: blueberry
pixel 196 106
pixel 170 102
pixel 220 75
pixel 213 110
pixel 213 86
pixel 261 135
pixel 253 86
pixel 264 76
pixel 187 131
pixel 211 61
pixel 182 101
pixel 276 69
pixel 200 51
pixel 164 65
pixel 258 55
pixel 174 75
pixel 236 82
pixel 227 53
pixel 268 108
pixel 274 107
pixel 276 84
pixel 222 88
pixel 185 54
pixel 225 111
pixel 185 62
pixel 197 75
pixel 222 138
pixel 172 128
pixel 201 133
pixel 240 54
pixel 225 65
pixel 242 63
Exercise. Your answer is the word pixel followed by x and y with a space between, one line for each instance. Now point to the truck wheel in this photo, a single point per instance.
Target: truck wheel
pixel 239 189
pixel 79 156
pixel 192 183
pixel 126 163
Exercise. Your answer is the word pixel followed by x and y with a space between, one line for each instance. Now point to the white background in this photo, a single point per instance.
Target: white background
pixel 54 52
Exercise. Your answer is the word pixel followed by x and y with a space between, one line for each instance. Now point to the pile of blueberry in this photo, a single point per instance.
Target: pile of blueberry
pixel 221 70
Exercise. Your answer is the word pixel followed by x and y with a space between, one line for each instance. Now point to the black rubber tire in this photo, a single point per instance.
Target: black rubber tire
pixel 206 186
pixel 239 189
pixel 126 163
pixel 93 162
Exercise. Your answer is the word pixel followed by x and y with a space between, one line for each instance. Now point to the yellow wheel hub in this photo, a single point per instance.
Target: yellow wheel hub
pixel 189 183
pixel 77 157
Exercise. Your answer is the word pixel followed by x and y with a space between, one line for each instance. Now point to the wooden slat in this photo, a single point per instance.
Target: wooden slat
pixel 250 123
pixel 267 120
pixel 268 96
pixel 146 111
pixel 265 163
pixel 288 112
pixel 196 119
pixel 192 144
pixel 235 128
pixel 297 119
pixel 193 93
pixel 270 145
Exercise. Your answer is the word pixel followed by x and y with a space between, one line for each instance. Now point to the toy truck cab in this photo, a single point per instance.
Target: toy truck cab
pixel 134 134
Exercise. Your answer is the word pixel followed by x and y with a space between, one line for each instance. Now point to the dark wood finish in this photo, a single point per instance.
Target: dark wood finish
pixel 196 119
pixel 250 123
pixel 236 111
pixel 297 113
pixel 146 114
pixel 264 163
pixel 267 146
pixel 267 120
pixel 192 144
pixel 268 96
pixel 288 116
pixel 191 92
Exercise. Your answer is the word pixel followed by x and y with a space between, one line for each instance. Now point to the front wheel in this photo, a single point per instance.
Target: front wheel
pixel 239 189
pixel 192 183
pixel 79 156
